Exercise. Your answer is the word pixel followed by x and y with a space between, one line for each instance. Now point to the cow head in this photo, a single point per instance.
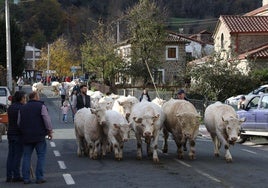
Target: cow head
pixel 123 130
pixel 146 123
pixel 100 114
pixel 189 123
pixel 126 106
pixel 232 128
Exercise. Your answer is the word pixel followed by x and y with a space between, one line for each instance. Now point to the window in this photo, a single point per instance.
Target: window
pixel 222 41
pixel 172 52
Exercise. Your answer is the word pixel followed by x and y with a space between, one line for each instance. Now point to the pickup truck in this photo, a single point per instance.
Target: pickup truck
pixel 256 114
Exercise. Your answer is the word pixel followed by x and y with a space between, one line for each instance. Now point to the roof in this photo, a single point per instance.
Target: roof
pixel 259 11
pixel 245 24
pixel 184 38
pixel 31 48
pixel 260 52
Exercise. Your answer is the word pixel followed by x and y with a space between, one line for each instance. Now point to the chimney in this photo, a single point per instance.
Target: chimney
pixel 264 2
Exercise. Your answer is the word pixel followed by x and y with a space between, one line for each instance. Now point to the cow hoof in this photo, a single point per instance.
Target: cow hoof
pixel 229 160
pixel 192 157
pixel 156 160
pixel 139 157
pixel 216 154
pixel 180 156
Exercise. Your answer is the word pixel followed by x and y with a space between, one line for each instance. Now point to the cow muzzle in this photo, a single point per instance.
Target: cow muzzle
pixel 232 140
pixel 147 134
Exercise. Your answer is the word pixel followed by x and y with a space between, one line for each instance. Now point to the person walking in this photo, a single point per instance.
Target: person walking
pixel 20 83
pixel 35 124
pixel 15 146
pixel 181 95
pixel 62 93
pixel 73 101
pixel 64 110
pixel 83 100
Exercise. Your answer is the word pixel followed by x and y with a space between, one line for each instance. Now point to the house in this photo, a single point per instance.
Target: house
pixel 244 37
pixel 173 68
pixel 31 56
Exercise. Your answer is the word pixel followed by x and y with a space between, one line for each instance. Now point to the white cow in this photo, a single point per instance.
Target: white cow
pixel 147 120
pixel 106 102
pixel 89 125
pixel 55 87
pixel 124 105
pixel 117 129
pixel 158 101
pixel 182 121
pixel 223 125
pixel 38 87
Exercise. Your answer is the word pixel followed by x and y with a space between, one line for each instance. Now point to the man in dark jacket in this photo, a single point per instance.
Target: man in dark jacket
pixel 83 100
pixel 15 146
pixel 35 124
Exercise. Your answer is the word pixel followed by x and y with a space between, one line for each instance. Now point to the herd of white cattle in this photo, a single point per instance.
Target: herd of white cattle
pixel 106 125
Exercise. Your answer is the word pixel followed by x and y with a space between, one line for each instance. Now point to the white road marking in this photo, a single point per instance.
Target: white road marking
pixel 56 153
pixel 52 144
pixel 199 171
pixel 246 150
pixel 62 164
pixel 183 163
pixel 207 175
pixel 68 179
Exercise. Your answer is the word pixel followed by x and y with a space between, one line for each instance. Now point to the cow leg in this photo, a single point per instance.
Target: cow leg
pixel 179 146
pixel 228 156
pixel 139 146
pixel 149 149
pixel 90 150
pixel 115 147
pixel 192 149
pixel 96 149
pixel 155 146
pixel 104 144
pixel 216 146
pixel 121 146
pixel 165 143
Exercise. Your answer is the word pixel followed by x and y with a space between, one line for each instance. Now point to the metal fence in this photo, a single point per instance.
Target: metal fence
pixel 200 105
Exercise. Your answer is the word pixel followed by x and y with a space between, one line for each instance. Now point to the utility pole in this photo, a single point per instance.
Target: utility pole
pixel 8 47
pixel 117 32
pixel 48 62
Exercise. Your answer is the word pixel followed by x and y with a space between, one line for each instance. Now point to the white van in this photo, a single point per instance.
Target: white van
pixel 5 96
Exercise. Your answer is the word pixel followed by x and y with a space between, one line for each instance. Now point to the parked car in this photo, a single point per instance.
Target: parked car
pixel 256 114
pixel 234 99
pixel 5 96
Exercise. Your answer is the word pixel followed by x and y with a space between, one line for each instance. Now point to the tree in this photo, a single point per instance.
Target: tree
pixel 99 55
pixel 218 80
pixel 146 27
pixel 17 47
pixel 62 56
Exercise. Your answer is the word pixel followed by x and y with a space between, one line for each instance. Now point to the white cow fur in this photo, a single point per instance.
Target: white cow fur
pixel 223 125
pixel 147 120
pixel 182 121
pixel 117 129
pixel 124 105
pixel 89 131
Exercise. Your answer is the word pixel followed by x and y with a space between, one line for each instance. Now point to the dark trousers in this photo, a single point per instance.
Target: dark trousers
pixel 62 99
pixel 15 150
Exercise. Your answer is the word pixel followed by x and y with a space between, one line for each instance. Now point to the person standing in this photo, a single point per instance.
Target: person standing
pixel 83 100
pixel 73 101
pixel 64 110
pixel 15 146
pixel 242 102
pixel 181 95
pixel 62 93
pixel 145 96
pixel 20 82
pixel 35 124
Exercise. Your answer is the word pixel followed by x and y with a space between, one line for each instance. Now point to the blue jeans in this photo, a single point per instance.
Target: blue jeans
pixel 64 117
pixel 40 148
pixel 15 150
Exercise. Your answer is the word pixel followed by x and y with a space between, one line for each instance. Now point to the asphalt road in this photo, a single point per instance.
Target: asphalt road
pixel 65 169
